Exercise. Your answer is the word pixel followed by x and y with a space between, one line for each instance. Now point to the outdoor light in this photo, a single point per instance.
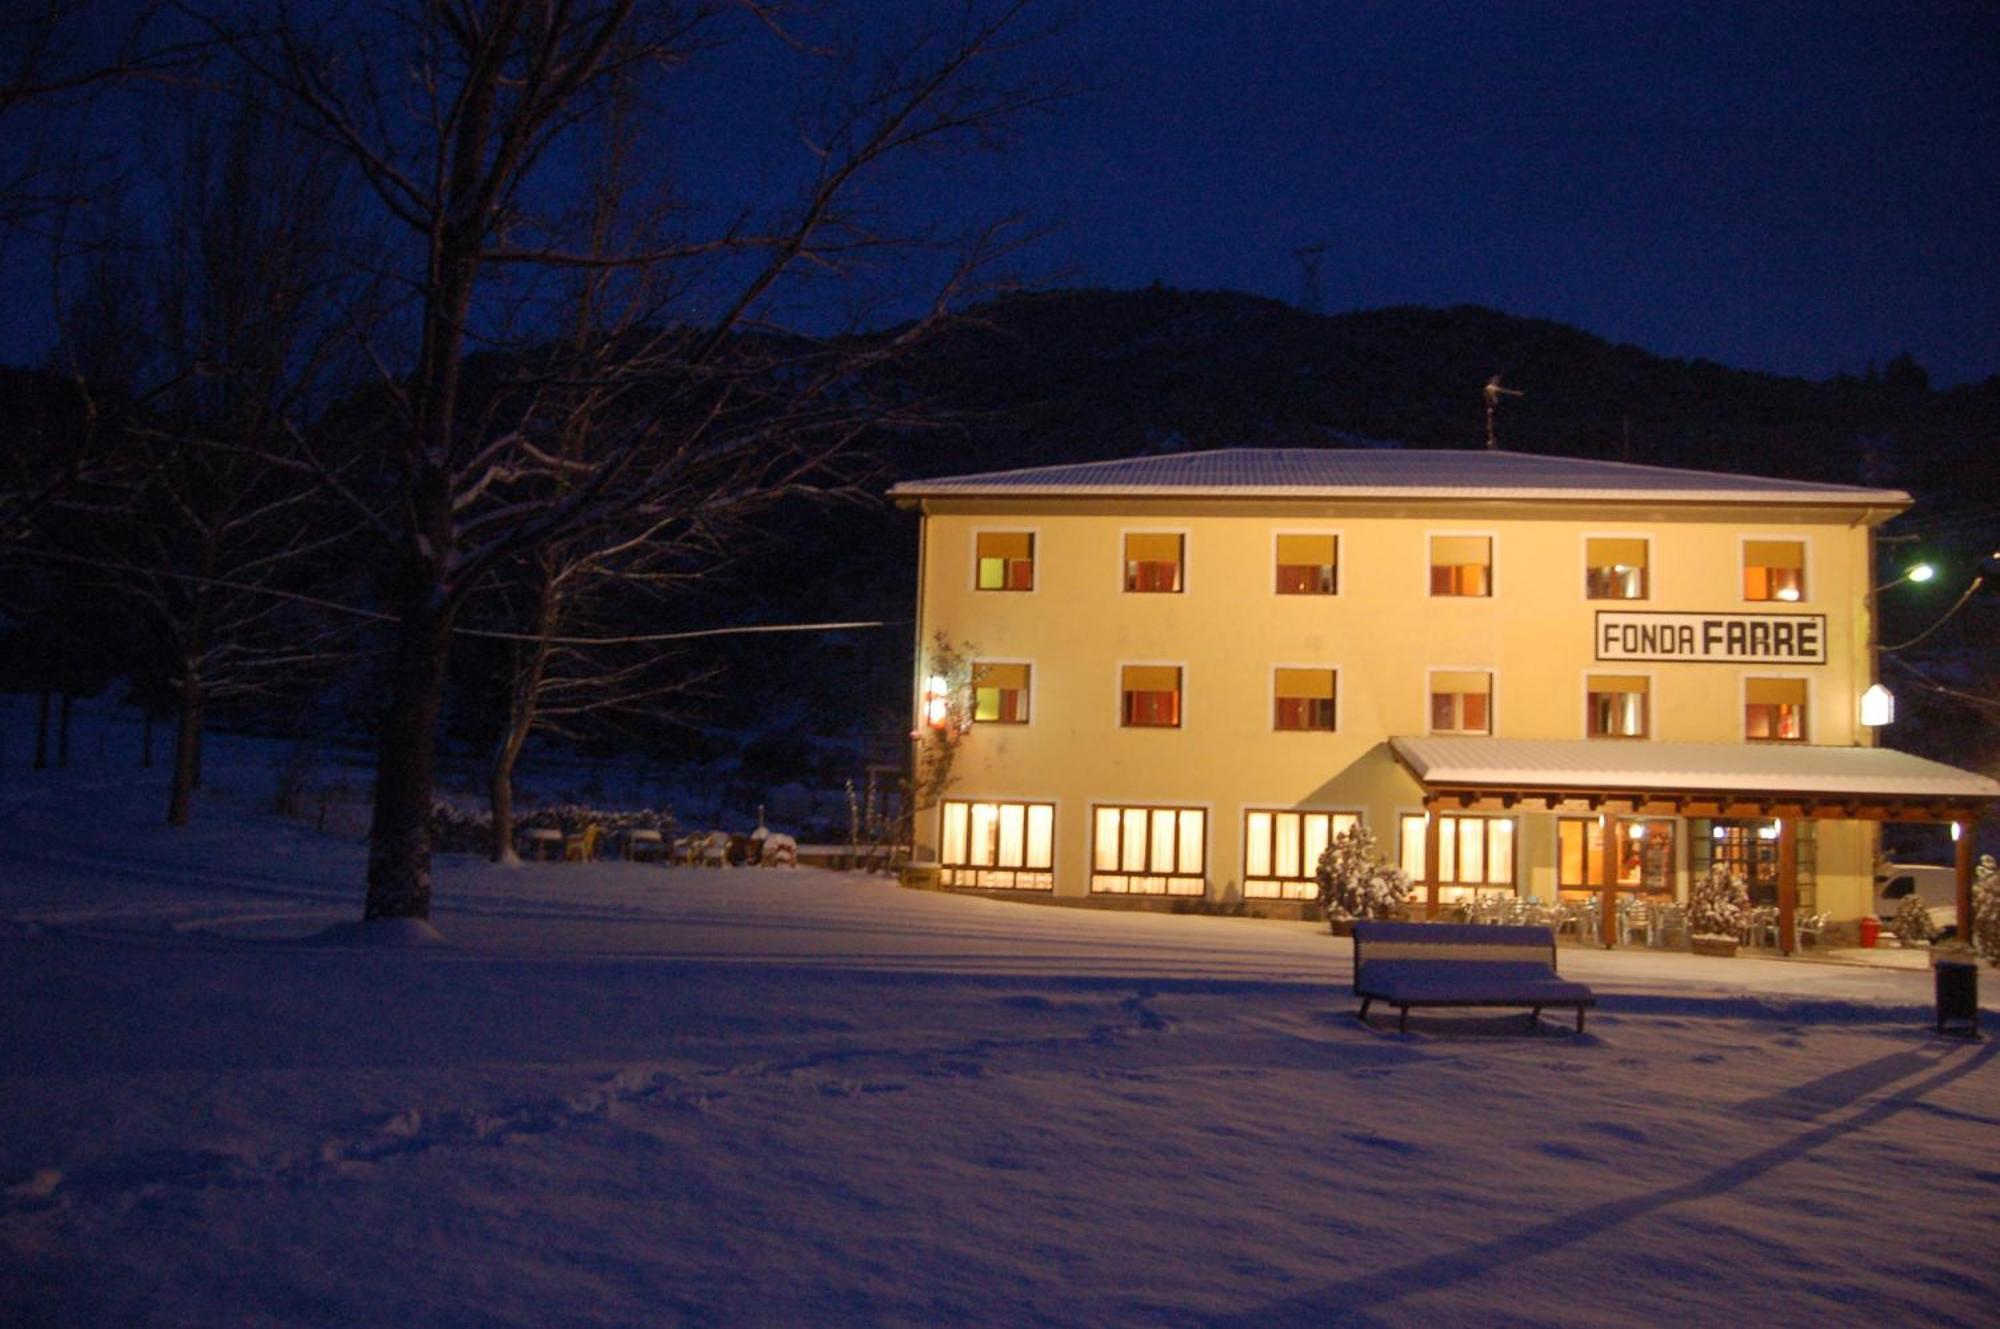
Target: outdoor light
pixel 1878 706
pixel 1768 832
pixel 1920 572
pixel 1957 829
pixel 936 710
pixel 1721 833
pixel 1635 832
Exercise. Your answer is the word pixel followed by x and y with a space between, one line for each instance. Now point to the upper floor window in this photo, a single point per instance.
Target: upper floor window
pixel 1153 560
pixel 1308 564
pixel 1615 568
pixel 1303 699
pixel 1615 705
pixel 1461 702
pixel 1006 560
pixel 1774 710
pixel 999 693
pixel 1150 696
pixel 1774 570
pixel 1462 565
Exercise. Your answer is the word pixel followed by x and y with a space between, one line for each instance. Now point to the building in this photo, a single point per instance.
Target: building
pixel 1186 673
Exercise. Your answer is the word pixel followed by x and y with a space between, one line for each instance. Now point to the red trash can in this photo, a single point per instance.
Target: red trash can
pixel 1871 929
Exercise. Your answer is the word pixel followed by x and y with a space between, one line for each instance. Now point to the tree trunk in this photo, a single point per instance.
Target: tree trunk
pixel 187 750
pixel 62 732
pixel 42 733
pixel 500 792
pixel 146 743
pixel 399 840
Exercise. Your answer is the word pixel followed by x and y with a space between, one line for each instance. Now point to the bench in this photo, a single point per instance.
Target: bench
pixel 1461 964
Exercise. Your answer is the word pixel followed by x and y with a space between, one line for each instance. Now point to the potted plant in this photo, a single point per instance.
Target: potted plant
pixel 1986 910
pixel 1355 882
pixel 1717 901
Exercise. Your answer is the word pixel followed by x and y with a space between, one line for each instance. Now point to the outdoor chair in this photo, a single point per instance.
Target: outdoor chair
pixel 581 846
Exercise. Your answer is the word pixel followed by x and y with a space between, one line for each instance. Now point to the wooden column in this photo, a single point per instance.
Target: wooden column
pixel 1788 883
pixel 1962 860
pixel 1607 880
pixel 1431 820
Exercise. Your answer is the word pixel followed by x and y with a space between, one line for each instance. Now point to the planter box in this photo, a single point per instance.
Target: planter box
pixel 1340 927
pixel 1720 946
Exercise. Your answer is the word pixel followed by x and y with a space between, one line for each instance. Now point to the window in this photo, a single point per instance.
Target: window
pixel 1774 570
pixel 1615 705
pixel 1461 703
pixel 1006 560
pixel 998 846
pixel 1148 851
pixel 1614 569
pixel 1462 565
pixel 1308 564
pixel 999 693
pixel 1475 854
pixel 1150 696
pixel 1774 710
pixel 1281 851
pixel 1303 699
pixel 1153 561
pixel 1645 854
pixel 1751 848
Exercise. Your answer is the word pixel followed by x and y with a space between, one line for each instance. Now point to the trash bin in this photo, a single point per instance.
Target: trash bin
pixel 1957 994
pixel 1871 929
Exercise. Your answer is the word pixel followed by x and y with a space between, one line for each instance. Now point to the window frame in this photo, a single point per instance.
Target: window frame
pixel 1187 543
pixel 1675 866
pixel 1648 712
pixel 1492 562
pixel 1028 700
pixel 1492 700
pixel 1646 573
pixel 1454 890
pixel 1180 703
pixel 1806 720
pixel 1034 535
pixel 1807 573
pixel 1198 879
pixel 1306 887
pixel 1339 538
pixel 947 869
pixel 1271 710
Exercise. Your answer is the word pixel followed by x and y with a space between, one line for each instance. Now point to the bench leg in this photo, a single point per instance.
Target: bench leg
pixel 1362 1014
pixel 1535 1019
pixel 1403 1024
pixel 1579 1019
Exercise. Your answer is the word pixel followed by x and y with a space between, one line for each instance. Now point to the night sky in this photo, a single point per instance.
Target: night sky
pixel 1805 189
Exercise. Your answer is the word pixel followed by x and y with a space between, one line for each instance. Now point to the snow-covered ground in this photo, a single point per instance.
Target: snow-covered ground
pixel 622 1094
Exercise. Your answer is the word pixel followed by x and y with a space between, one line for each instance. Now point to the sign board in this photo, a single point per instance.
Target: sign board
pixel 1719 638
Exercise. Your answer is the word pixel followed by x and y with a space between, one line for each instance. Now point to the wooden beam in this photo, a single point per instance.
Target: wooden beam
pixel 1607 878
pixel 1431 894
pixel 1788 882
pixel 1962 861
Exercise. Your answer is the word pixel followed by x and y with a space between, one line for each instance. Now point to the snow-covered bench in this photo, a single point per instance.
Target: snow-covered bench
pixel 1461 964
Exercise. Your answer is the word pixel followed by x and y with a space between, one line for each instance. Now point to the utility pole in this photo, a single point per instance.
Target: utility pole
pixel 1494 392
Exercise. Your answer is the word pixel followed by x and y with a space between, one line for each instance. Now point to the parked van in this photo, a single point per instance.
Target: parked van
pixel 1936 886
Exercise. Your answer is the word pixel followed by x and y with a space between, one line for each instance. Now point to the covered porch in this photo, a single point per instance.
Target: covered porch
pixel 1604 778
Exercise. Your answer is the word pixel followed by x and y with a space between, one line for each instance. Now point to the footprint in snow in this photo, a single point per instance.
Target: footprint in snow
pixel 1387 1144
pixel 1617 1130
pixel 1709 1058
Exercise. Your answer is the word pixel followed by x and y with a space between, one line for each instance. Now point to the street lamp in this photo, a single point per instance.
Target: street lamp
pixel 1878 704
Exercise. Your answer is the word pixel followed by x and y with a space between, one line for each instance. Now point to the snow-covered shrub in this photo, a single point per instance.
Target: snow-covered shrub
pixel 1717 902
pixel 1986 909
pixel 459 831
pixel 1912 923
pixel 1355 882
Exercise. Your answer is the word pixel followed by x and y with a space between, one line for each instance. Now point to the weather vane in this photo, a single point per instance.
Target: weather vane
pixel 1494 392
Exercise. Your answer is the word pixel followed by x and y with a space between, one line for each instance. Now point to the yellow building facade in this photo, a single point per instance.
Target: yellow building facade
pixel 1184 674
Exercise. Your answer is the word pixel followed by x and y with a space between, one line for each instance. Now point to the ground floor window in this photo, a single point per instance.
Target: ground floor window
pixel 1148 851
pixel 1475 855
pixel 1645 854
pixel 1751 848
pixel 1003 846
pixel 1281 851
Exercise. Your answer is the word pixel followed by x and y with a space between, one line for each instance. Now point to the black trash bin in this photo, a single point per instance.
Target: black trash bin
pixel 1957 995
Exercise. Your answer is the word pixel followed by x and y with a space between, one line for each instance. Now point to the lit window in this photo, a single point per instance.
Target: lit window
pixel 1475 854
pixel 1148 851
pixel 999 693
pixel 1281 851
pixel 1153 562
pixel 1645 854
pixel 1616 705
pixel 1461 565
pixel 1303 699
pixel 1006 560
pixel 1308 564
pixel 1150 696
pixel 1774 570
pixel 1461 703
pixel 1775 710
pixel 1615 569
pixel 998 846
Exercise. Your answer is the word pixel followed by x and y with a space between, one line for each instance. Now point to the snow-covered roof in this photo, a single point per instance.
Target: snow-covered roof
pixel 1693 767
pixel 1391 473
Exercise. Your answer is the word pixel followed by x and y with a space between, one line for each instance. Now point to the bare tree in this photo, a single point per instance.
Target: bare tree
pixel 451 113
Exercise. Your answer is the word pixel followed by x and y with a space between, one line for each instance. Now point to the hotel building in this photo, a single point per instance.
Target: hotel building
pixel 1186 673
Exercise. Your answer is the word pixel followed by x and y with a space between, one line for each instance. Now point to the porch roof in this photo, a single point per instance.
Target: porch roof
pixel 1740 772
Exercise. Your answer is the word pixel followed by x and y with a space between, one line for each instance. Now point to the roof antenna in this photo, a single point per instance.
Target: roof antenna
pixel 1494 392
